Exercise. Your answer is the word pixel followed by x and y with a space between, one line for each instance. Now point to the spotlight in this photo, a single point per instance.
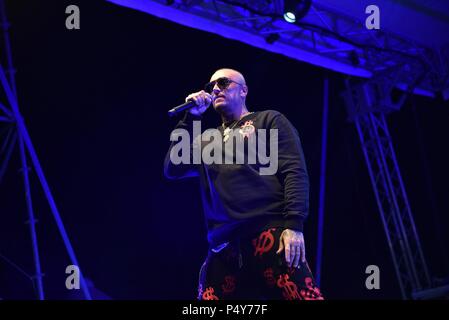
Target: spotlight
pixel 296 10
pixel 290 17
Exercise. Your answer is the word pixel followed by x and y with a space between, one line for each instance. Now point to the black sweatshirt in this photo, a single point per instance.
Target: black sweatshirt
pixel 238 201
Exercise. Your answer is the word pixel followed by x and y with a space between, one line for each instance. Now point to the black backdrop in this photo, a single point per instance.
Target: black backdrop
pixel 95 103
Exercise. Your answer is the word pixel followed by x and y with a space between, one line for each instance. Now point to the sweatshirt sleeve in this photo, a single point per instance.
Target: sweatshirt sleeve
pixel 181 170
pixel 292 172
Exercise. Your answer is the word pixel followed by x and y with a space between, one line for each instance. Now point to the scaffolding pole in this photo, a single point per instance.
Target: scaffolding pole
pixel 26 148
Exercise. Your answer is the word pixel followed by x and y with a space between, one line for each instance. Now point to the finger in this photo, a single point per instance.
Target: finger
pixel 194 99
pixel 288 254
pixel 208 99
pixel 281 245
pixel 297 251
pixel 200 99
pixel 205 97
pixel 303 252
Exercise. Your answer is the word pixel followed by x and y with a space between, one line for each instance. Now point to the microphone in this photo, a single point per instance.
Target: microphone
pixel 185 106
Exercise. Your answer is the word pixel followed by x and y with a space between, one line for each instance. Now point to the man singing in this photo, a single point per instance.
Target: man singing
pixel 254 206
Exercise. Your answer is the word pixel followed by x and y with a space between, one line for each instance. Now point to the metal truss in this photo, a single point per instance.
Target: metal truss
pixel 13 132
pixel 367 110
pixel 324 37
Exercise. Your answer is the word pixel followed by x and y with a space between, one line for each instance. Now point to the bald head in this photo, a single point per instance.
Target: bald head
pixel 229 73
pixel 229 101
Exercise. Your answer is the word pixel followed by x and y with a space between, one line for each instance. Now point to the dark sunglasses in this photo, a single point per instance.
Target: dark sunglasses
pixel 223 83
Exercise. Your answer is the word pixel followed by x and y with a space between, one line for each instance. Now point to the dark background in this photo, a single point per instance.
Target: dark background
pixel 95 103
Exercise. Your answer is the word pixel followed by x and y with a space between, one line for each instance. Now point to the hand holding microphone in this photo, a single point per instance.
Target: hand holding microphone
pixel 197 102
pixel 202 101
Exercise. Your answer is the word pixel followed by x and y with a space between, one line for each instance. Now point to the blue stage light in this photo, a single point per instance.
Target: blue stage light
pixel 290 17
pixel 296 10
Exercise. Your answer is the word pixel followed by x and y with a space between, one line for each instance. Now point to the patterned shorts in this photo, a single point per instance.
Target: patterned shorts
pixel 251 269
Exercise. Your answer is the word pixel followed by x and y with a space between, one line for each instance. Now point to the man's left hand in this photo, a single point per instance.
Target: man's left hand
pixel 292 242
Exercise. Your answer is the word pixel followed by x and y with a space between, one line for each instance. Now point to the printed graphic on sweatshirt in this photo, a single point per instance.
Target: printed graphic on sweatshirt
pixel 235 146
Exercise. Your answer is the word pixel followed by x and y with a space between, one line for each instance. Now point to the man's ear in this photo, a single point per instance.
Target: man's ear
pixel 244 91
